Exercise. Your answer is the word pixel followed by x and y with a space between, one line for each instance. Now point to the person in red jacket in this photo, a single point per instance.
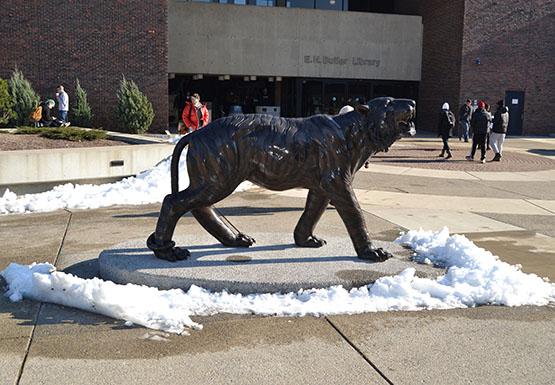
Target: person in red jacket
pixel 195 115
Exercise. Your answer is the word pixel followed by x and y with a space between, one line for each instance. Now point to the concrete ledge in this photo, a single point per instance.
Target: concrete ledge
pixel 273 264
pixel 68 164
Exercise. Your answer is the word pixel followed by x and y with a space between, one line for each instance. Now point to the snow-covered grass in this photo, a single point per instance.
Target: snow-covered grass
pixel 149 186
pixel 474 277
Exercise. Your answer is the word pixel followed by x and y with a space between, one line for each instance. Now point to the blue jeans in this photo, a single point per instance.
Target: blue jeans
pixel 465 126
pixel 63 116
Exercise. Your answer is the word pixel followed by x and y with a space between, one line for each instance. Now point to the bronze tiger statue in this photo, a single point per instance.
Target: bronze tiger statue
pixel 321 153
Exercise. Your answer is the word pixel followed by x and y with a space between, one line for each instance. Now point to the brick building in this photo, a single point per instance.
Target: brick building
pixel 328 53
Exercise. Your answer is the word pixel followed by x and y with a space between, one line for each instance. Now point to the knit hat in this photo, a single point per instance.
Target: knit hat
pixel 445 106
pixel 481 104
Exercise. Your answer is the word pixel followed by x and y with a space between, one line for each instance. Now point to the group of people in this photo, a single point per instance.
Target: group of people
pixel 487 130
pixel 43 117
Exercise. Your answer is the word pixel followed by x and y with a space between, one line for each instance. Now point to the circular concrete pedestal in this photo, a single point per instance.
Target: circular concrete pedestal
pixel 273 264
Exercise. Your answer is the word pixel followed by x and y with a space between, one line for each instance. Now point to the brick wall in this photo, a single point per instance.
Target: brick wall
pixel 441 57
pixel 515 41
pixel 54 42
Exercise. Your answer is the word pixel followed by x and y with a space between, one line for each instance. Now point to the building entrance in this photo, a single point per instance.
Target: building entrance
pixel 288 97
pixel 223 95
pixel 327 96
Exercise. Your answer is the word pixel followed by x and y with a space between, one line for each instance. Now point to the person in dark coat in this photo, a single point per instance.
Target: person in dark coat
pixel 465 113
pixel 47 120
pixel 445 125
pixel 499 130
pixel 479 126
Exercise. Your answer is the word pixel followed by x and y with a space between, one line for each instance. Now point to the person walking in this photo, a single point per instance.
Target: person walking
pixel 195 115
pixel 63 103
pixel 479 127
pixel 499 130
pixel 465 113
pixel 445 124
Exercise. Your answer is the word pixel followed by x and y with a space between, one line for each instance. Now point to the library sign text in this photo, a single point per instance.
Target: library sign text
pixel 337 60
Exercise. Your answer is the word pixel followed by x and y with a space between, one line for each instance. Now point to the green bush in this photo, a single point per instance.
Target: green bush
pixel 81 112
pixel 24 98
pixel 134 110
pixel 73 134
pixel 6 103
pixel 30 130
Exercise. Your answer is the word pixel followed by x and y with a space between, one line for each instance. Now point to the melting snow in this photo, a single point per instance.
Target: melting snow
pixel 474 277
pixel 149 186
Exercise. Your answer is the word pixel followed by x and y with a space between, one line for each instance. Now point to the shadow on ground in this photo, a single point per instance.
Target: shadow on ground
pixel 227 211
pixel 542 151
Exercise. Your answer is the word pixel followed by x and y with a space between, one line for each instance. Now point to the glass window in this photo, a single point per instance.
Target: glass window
pixel 300 3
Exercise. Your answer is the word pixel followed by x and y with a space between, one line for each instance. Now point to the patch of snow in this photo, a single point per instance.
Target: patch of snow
pixel 149 186
pixel 474 277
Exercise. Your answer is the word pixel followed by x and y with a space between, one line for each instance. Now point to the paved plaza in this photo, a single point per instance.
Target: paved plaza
pixel 506 207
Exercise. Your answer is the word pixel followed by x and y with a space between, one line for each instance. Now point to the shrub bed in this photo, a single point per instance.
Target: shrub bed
pixel 74 134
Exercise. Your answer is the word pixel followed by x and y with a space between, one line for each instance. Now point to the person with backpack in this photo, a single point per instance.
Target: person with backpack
pixel 195 115
pixel 499 130
pixel 47 120
pixel 479 126
pixel 445 124
pixel 465 113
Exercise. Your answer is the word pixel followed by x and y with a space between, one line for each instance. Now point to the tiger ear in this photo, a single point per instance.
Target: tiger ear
pixel 363 109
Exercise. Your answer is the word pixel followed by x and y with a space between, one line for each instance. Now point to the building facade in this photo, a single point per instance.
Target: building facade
pixel 292 58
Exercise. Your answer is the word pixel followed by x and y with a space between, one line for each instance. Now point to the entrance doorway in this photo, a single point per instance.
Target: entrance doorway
pixel 327 96
pixel 223 95
pixel 514 100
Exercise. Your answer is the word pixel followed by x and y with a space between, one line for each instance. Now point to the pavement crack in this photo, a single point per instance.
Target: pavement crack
pixel 360 352
pixel 28 347
pixel 543 208
pixel 63 238
pixel 522 196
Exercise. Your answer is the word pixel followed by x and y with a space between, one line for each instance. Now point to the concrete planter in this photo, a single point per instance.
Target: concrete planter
pixel 72 164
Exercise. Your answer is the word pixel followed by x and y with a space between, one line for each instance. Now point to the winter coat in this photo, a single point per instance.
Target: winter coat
pixel 501 120
pixel 445 124
pixel 191 118
pixel 46 117
pixel 465 113
pixel 479 121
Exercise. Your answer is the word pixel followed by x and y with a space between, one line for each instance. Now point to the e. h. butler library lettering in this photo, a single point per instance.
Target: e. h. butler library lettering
pixel 337 60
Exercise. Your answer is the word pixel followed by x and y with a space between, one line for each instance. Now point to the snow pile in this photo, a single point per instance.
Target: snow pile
pixel 474 277
pixel 147 187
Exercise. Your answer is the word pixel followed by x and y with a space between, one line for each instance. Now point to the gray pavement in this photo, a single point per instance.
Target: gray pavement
pixel 49 344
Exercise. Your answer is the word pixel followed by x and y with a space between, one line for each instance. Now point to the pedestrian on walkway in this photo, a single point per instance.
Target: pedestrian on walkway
pixel 479 127
pixel 195 115
pixel 465 113
pixel 63 103
pixel 446 123
pixel 499 130
pixel 490 125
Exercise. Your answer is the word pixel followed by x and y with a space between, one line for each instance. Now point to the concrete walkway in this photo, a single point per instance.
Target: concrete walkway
pixel 49 344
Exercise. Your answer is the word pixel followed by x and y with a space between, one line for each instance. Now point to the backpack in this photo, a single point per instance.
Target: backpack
pixel 36 114
pixel 451 119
